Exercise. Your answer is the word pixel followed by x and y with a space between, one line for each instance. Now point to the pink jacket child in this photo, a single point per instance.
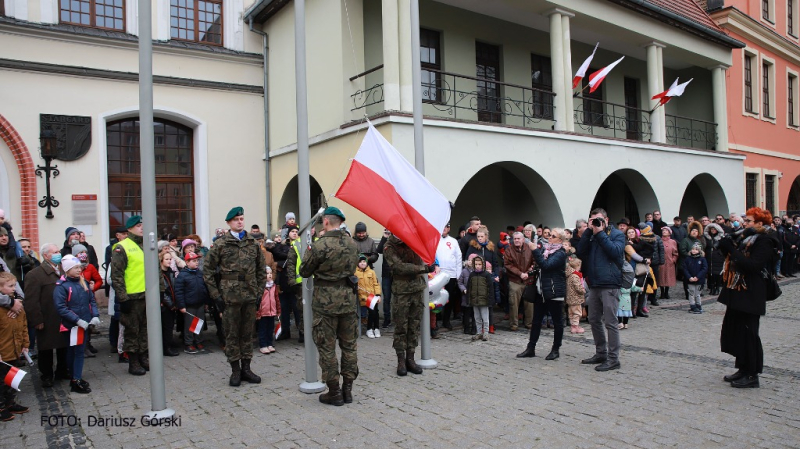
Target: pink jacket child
pixel 268 309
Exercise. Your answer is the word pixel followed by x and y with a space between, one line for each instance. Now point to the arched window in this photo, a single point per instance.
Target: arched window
pixel 174 175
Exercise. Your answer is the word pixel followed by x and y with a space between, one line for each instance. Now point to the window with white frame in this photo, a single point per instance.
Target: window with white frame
pixel 770 187
pixel 767 88
pixel 750 83
pixel 792 100
pixel 751 190
pixel 791 17
pixel 767 10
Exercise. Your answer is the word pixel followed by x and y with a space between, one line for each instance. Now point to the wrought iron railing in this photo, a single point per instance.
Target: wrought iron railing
pixel 369 95
pixel 691 132
pixel 604 119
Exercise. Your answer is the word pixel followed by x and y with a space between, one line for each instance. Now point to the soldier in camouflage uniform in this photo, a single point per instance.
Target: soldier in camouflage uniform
pixel 332 259
pixel 127 276
pixel 235 275
pixel 408 283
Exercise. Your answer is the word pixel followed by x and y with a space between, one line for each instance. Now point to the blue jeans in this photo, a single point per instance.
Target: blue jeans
pixel 75 356
pixel 386 299
pixel 266 329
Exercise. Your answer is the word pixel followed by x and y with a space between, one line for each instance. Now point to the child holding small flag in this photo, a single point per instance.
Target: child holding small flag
pixel 76 305
pixel 268 309
pixel 191 294
pixel 14 343
pixel 368 289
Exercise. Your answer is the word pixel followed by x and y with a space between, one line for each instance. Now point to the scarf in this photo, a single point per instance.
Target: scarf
pixel 270 284
pixel 483 244
pixel 732 278
pixel 550 248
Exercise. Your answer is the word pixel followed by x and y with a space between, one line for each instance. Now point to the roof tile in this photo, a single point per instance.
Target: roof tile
pixel 689 9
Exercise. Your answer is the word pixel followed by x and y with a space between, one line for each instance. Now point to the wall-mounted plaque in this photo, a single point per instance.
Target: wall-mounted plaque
pixel 73 134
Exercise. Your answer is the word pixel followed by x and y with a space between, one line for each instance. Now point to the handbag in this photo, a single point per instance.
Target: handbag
pixel 773 290
pixel 641 269
pixel 531 295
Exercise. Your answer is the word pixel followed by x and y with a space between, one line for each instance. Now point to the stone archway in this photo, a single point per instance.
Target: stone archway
pixel 290 203
pixel 29 219
pixel 703 196
pixel 626 193
pixel 506 193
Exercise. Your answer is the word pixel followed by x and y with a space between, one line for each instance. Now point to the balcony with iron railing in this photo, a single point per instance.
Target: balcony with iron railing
pixel 471 99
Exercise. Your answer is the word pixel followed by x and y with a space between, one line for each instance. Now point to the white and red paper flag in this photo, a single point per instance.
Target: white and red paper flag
pixel 278 329
pixel 382 184
pixel 597 77
pixel 197 325
pixel 372 301
pixel 13 375
pixel 76 335
pixel 583 68
pixel 676 90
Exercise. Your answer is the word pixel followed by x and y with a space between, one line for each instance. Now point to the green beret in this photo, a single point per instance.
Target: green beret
pixel 235 212
pixel 133 221
pixel 330 210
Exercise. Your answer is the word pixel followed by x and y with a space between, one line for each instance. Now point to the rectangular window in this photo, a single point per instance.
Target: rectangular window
pixel 106 14
pixel 593 107
pixel 765 89
pixel 487 64
pixel 769 193
pixel 633 118
pixel 751 189
pixel 431 59
pixel 765 9
pixel 542 82
pixel 748 83
pixel 196 20
pixel 791 103
pixel 790 17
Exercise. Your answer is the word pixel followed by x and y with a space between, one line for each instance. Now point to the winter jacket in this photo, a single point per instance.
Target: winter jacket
pixel 575 291
pixel 686 244
pixel 41 309
pixel 679 233
pixel 517 261
pixel 167 288
pixel 14 335
pixel 386 272
pixel 552 278
pixel 73 302
pixel 367 284
pixel 270 305
pixel 463 279
pixel 646 247
pixel 695 266
pixel 480 289
pixel 190 290
pixel 367 247
pixel 713 254
pixel 465 242
pixel 90 273
pixel 658 255
pixel 762 255
pixel 602 256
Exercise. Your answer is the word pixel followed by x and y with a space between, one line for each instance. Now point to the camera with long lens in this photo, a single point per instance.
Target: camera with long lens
pixel 597 222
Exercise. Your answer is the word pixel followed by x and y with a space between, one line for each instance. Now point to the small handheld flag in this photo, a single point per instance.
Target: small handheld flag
pixel 13 376
pixel 76 335
pixel 197 325
pixel 278 329
pixel 372 301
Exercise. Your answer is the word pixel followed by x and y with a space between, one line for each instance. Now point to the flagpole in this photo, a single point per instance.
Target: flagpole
pixel 312 383
pixel 426 361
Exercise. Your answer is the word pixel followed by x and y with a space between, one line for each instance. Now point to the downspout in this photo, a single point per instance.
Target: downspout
pixel 265 50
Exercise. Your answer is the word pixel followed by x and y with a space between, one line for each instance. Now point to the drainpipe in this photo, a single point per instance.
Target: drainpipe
pixel 265 50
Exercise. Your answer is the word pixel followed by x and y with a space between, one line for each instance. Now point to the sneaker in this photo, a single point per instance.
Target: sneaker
pixel 91 349
pixel 581 330
pixel 620 326
pixel 377 333
pixel 271 349
pixel 264 350
pixel 485 337
pixel 625 326
pixel 370 334
pixel 18 409
pixel 5 415
pixel 191 349
pixel 200 347
pixel 475 338
pixel 77 387
pixel 691 308
pixel 699 309
pixel 88 354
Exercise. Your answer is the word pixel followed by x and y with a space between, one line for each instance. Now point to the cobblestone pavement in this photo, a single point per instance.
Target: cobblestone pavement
pixel 669 392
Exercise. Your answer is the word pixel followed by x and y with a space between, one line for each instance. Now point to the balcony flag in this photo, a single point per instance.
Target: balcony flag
pixel 584 67
pixel 382 184
pixel 676 90
pixel 597 77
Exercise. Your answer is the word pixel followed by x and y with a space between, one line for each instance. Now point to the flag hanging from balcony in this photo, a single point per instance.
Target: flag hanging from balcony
pixel 382 184
pixel 597 77
pixel 676 90
pixel 583 68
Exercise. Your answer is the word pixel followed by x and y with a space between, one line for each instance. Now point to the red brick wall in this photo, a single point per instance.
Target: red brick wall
pixel 28 222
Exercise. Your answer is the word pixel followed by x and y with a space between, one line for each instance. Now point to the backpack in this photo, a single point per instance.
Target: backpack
pixel 628 275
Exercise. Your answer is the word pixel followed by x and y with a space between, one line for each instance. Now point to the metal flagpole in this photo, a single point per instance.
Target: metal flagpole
pixel 150 246
pixel 419 162
pixel 312 383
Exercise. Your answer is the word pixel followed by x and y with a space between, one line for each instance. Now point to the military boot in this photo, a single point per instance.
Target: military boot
pixel 334 394
pixel 134 366
pixel 144 360
pixel 236 374
pixel 411 365
pixel 401 364
pixel 247 374
pixel 347 390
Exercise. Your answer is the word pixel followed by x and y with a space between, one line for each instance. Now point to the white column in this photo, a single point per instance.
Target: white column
pixel 662 111
pixel 569 117
pixel 404 23
pixel 557 64
pixel 391 56
pixel 720 106
pixel 653 88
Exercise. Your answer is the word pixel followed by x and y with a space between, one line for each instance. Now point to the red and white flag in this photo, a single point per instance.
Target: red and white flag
pixel 676 90
pixel 76 335
pixel 278 329
pixel 372 301
pixel 584 67
pixel 384 185
pixel 14 376
pixel 197 325
pixel 597 77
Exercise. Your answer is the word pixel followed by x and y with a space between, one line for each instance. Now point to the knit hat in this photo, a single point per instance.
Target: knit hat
pixel 187 242
pixel 646 230
pixel 361 257
pixel 77 249
pixel 666 228
pixel 698 245
pixel 361 227
pixel 71 230
pixel 170 237
pixel 69 261
pixel 290 216
pixel 162 244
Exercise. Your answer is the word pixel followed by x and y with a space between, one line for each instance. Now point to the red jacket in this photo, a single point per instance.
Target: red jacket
pixel 90 273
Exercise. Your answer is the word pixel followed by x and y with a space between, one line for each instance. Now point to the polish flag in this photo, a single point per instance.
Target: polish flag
pixel 676 90
pixel 382 184
pixel 197 325
pixel 13 377
pixel 584 67
pixel 372 301
pixel 597 77
pixel 76 336
pixel 278 330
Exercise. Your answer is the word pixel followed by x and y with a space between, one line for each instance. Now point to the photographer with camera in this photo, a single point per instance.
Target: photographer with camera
pixel 601 250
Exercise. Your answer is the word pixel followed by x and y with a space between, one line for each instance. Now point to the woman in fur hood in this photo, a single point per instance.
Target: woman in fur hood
pixel 713 234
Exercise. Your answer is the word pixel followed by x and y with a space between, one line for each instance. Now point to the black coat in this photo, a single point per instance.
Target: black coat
pixel 553 276
pixel 40 308
pixel 762 255
pixel 190 290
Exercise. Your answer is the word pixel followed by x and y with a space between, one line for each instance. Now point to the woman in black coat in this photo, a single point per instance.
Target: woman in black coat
pixel 744 294
pixel 716 260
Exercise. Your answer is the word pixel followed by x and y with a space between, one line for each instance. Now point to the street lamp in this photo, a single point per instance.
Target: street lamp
pixel 48 149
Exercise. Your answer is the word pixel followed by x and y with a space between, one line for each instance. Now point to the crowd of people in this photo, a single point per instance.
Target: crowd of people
pixel 249 284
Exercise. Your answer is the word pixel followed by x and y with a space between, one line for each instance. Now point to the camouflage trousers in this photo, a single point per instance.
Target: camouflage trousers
pixel 298 295
pixel 135 322
pixel 325 331
pixel 407 316
pixel 238 322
